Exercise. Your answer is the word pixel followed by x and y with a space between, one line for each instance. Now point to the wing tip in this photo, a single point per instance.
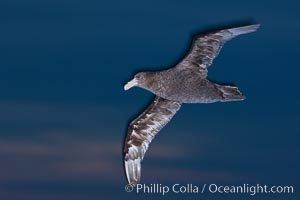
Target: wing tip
pixel 133 171
pixel 244 29
pixel 252 27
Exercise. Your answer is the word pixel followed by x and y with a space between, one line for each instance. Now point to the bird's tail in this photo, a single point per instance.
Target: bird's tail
pixel 230 93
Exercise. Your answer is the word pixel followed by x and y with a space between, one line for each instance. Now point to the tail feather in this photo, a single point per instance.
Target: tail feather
pixel 230 93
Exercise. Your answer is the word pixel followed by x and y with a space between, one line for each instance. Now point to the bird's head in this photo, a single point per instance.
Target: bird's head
pixel 138 80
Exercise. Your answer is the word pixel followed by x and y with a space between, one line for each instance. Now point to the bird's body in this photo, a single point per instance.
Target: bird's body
pixel 184 83
pixel 186 86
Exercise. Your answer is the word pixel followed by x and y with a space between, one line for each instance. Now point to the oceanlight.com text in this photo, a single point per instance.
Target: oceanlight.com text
pixel 177 188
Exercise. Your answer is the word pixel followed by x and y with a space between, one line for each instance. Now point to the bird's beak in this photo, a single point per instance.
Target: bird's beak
pixel 130 84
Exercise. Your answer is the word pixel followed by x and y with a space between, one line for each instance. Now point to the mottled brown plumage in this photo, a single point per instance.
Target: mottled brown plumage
pixel 141 132
pixel 185 83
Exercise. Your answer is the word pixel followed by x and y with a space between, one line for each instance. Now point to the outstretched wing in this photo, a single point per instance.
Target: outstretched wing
pixel 141 132
pixel 205 47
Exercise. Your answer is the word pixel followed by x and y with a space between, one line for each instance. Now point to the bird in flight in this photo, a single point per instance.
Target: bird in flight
pixel 186 82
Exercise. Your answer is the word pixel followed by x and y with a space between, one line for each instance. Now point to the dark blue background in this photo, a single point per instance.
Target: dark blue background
pixel 63 111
